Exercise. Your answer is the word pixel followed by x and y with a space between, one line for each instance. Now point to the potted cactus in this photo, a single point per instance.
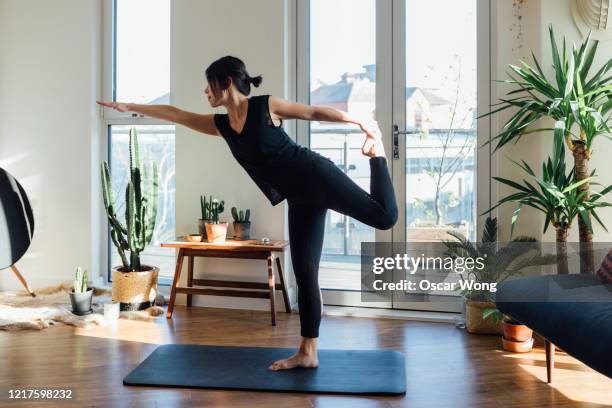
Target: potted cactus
pixel 205 208
pixel 242 225
pixel 81 294
pixel 215 229
pixel 134 284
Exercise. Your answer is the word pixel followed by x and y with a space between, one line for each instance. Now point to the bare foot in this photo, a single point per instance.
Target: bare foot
pixel 373 147
pixel 299 359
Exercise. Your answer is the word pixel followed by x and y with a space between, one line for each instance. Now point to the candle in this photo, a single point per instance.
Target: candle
pixel 111 311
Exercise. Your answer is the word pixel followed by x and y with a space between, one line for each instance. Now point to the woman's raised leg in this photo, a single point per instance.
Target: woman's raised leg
pixel 377 209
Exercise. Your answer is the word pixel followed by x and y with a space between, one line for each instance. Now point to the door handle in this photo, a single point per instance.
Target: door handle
pixel 396 133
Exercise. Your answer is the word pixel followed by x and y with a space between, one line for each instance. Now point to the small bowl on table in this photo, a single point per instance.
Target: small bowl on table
pixel 194 238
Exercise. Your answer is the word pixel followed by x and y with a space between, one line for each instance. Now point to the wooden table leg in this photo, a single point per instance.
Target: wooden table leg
pixel 189 277
pixel 272 287
pixel 283 284
pixel 175 283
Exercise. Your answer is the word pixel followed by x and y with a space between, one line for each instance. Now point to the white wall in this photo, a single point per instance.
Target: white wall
pixel 202 32
pixel 49 62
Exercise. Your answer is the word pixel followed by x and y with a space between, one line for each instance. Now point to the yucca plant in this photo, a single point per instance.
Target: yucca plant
pixel 140 208
pixel 557 195
pixel 572 97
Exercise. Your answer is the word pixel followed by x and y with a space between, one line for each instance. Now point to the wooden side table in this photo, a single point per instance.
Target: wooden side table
pixel 248 249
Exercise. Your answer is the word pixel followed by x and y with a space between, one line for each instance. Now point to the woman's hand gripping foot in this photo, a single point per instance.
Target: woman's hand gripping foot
pixel 373 146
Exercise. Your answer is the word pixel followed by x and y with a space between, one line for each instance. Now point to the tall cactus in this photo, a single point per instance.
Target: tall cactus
pixel 140 208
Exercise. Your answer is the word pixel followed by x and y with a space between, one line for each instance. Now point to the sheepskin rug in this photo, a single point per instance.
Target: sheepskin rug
pixel 51 307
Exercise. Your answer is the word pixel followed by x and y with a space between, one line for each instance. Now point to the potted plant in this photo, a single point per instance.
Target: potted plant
pixel 216 231
pixel 516 337
pixel 557 194
pixel 242 225
pixel 206 216
pixel 134 284
pixel 499 265
pixel 578 97
pixel 81 295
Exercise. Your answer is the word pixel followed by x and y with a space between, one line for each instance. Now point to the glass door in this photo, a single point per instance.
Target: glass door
pixel 411 66
pixel 435 131
pixel 346 41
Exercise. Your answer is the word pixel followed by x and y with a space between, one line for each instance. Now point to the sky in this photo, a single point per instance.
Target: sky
pixel 440 41
pixel 440 38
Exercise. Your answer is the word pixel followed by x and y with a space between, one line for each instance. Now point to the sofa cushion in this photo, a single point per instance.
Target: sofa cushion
pixel 574 312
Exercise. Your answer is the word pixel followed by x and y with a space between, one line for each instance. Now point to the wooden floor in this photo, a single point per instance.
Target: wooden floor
pixel 445 367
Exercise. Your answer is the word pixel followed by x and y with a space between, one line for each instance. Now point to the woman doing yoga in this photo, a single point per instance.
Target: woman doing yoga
pixel 282 169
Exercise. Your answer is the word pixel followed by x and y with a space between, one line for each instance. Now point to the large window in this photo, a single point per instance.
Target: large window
pixel 137 65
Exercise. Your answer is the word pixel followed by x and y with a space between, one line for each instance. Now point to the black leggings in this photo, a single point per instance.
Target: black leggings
pixel 328 187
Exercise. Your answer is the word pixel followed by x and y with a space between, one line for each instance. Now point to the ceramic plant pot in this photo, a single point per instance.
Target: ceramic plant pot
pixel 516 331
pixel 216 232
pixel 202 228
pixel 242 230
pixel 517 337
pixel 517 346
pixel 135 290
pixel 81 302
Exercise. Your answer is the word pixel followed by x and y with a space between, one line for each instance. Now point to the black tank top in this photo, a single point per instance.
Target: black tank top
pixel 270 157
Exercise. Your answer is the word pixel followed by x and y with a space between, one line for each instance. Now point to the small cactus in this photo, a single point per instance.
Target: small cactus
pixel 216 208
pixel 80 280
pixel 204 208
pixel 241 216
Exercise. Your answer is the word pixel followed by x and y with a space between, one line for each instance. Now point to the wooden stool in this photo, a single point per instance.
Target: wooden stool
pixel 248 249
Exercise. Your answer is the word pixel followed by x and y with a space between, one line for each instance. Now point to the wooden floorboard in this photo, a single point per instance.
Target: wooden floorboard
pixel 445 367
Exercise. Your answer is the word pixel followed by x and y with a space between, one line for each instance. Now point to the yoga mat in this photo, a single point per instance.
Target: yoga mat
pixel 369 372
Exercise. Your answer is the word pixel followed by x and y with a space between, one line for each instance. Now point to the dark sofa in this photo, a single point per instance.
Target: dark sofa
pixel 572 312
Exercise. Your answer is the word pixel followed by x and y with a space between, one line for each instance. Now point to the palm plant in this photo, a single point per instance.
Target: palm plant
pixel 557 195
pixel 500 263
pixel 572 98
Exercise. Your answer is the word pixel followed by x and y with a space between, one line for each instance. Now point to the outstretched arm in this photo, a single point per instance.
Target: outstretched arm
pixel 284 109
pixel 195 121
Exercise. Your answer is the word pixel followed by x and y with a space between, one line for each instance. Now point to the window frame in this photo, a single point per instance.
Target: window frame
pixel 110 117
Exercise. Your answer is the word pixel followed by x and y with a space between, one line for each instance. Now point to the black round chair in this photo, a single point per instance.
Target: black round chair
pixel 16 224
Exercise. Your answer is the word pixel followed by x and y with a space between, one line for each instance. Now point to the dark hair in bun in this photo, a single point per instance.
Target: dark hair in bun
pixel 256 81
pixel 220 71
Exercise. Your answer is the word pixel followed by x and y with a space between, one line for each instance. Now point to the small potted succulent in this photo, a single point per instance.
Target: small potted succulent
pixel 242 225
pixel 516 338
pixel 206 217
pixel 81 294
pixel 216 230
